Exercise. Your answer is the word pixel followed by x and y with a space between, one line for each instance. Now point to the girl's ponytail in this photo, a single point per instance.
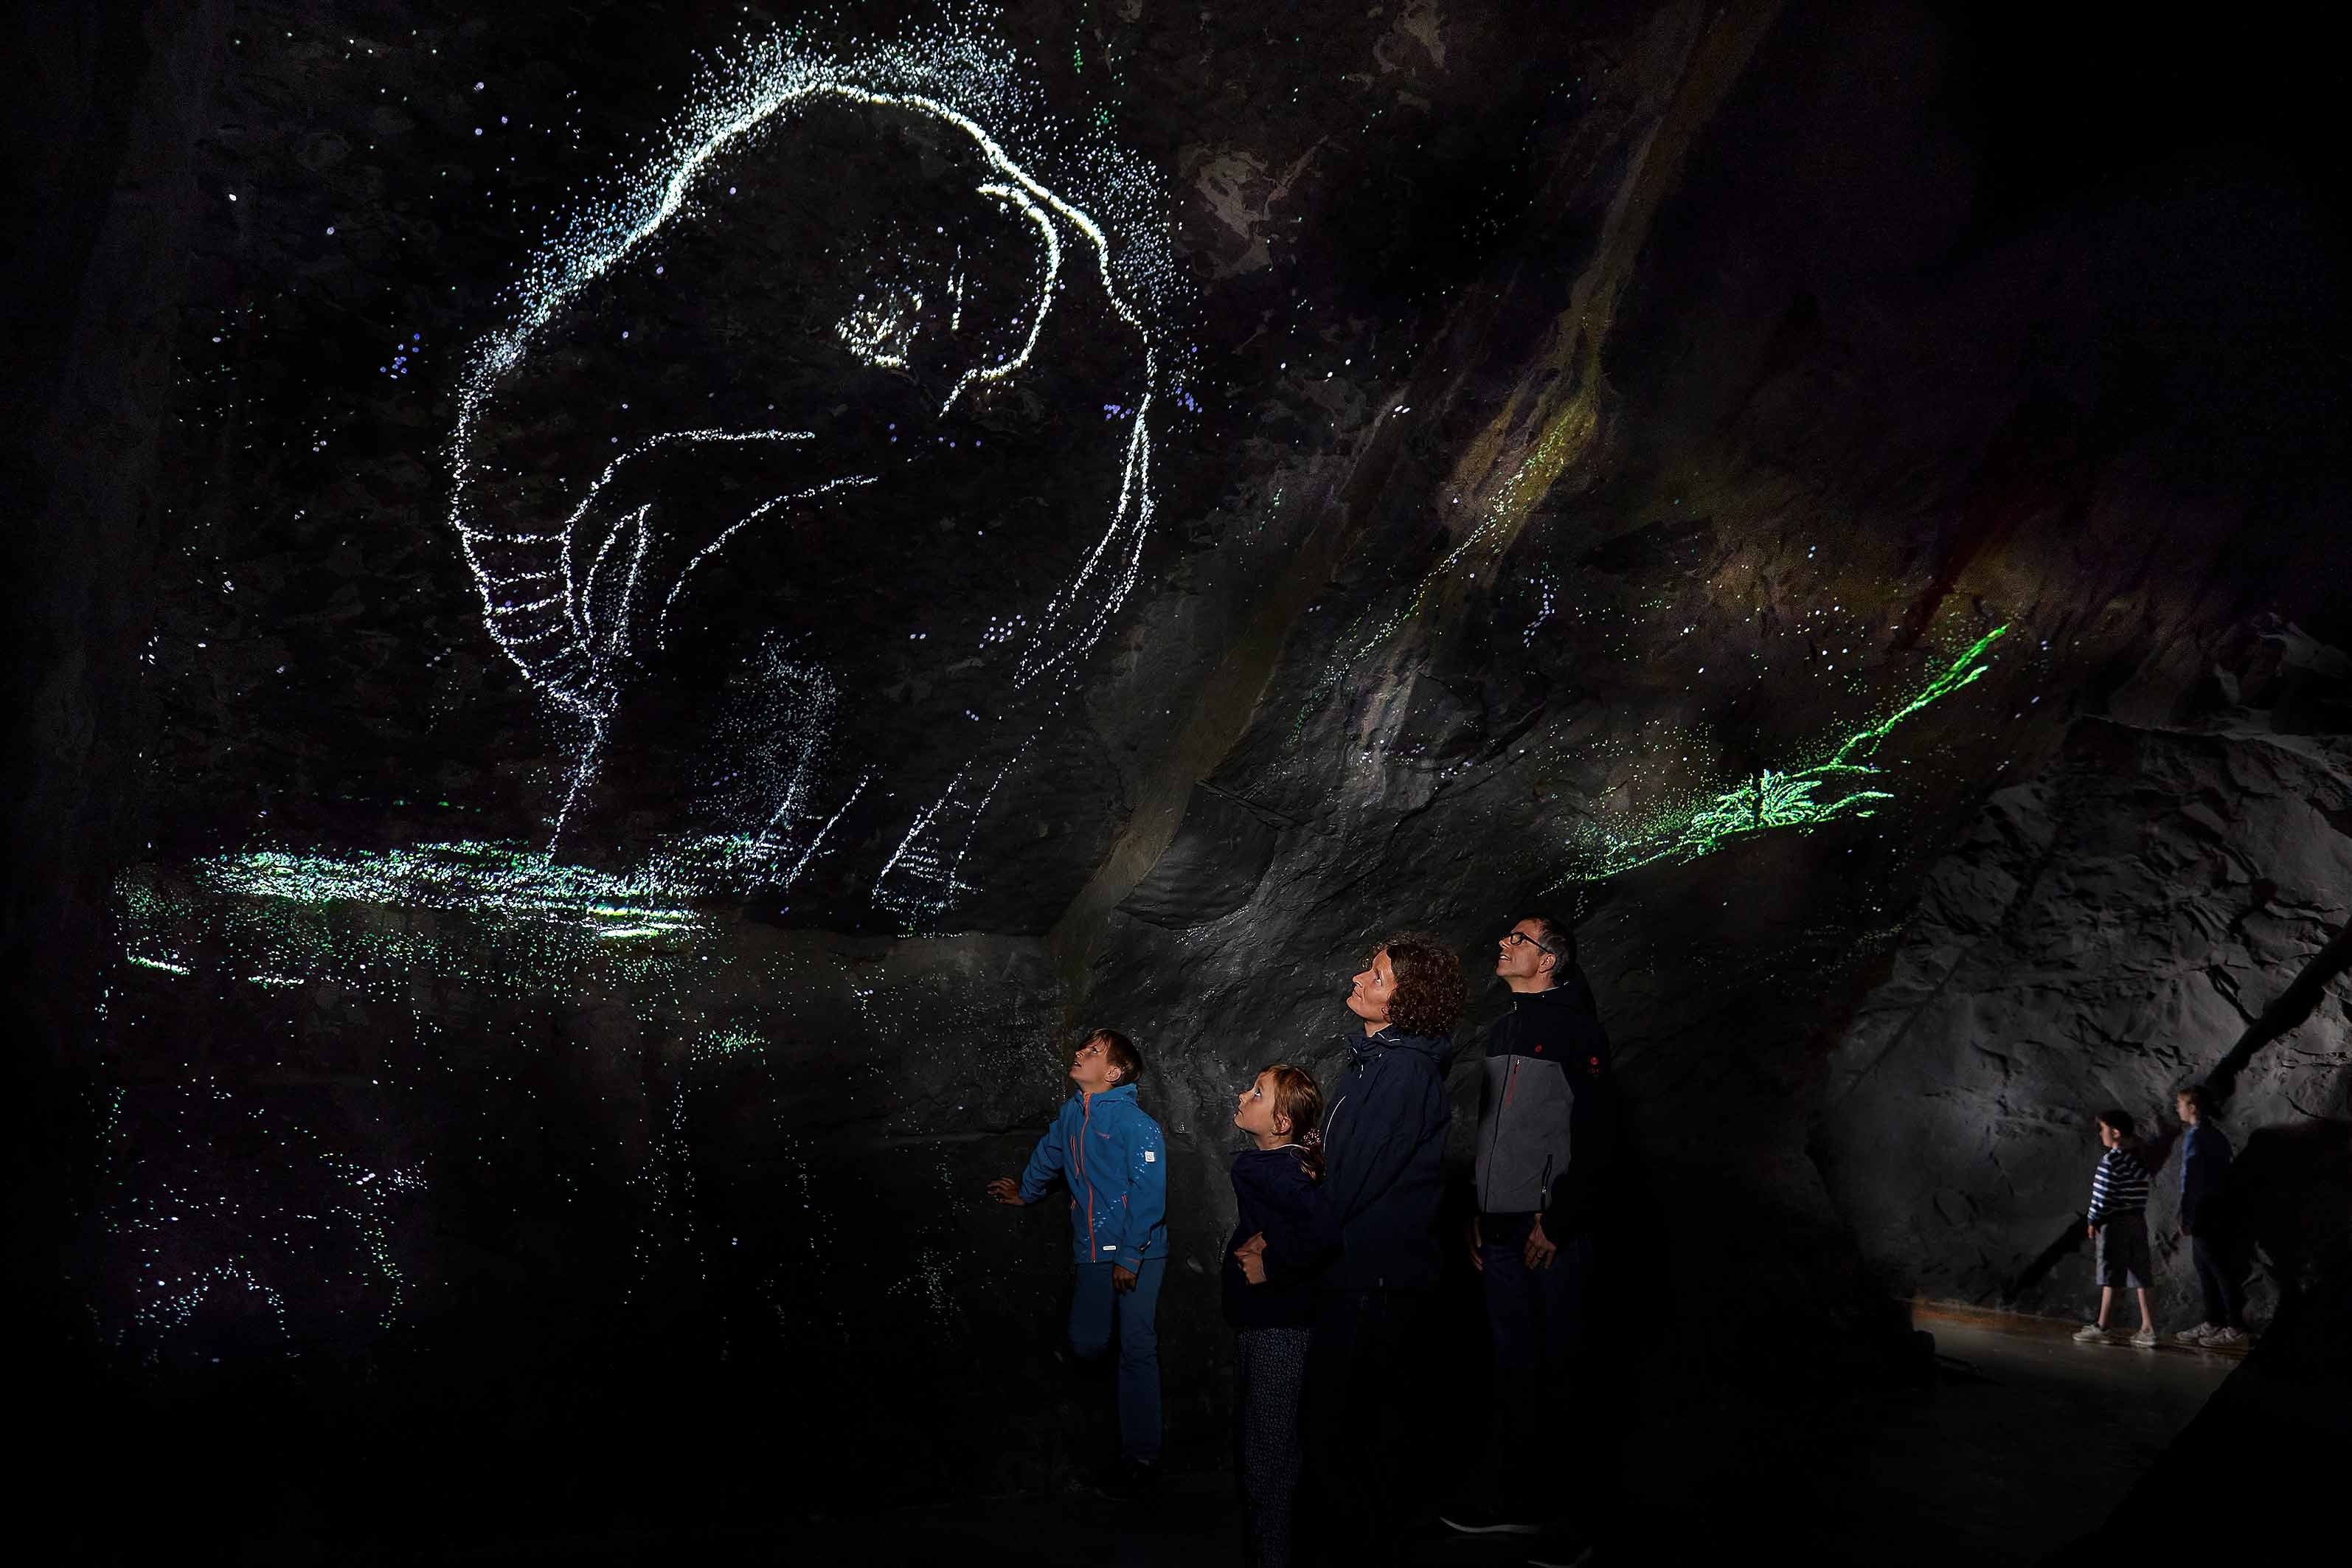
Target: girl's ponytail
pixel 1298 1101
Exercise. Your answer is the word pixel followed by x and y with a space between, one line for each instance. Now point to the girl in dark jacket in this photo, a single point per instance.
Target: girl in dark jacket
pixel 1269 1301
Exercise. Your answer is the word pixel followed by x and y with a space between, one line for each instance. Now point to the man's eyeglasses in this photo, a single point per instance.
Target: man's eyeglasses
pixel 1514 938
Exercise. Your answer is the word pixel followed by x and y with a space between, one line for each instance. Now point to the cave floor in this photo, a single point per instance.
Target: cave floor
pixel 2027 1441
pixel 2024 1442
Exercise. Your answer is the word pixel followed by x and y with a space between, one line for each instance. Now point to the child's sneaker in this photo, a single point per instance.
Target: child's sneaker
pixel 2092 1334
pixel 2146 1338
pixel 2195 1336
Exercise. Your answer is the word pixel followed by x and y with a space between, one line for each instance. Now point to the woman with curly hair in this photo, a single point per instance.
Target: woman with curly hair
pixel 1383 1153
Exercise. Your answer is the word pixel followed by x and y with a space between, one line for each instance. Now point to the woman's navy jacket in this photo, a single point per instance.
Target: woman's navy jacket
pixel 1383 1160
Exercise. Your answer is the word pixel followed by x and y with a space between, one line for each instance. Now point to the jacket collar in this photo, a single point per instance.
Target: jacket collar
pixel 1117 1091
pixel 1566 985
pixel 1365 1049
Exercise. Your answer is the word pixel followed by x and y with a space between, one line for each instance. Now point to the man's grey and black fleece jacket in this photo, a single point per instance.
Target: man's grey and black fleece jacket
pixel 1547 1119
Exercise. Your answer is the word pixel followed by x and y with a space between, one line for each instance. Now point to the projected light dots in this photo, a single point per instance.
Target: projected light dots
pixel 565 607
pixel 194 1237
pixel 257 1216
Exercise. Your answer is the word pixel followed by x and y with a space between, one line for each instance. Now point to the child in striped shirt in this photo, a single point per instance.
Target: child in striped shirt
pixel 2118 1222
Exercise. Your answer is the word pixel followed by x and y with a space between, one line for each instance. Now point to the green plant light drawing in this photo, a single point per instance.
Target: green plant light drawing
pixel 1801 798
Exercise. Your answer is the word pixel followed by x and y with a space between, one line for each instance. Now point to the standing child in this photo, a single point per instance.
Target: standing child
pixel 2118 1222
pixel 1114 1160
pixel 2204 1163
pixel 1269 1299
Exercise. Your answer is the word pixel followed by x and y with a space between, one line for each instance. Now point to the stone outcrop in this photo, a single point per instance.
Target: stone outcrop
pixel 2103 935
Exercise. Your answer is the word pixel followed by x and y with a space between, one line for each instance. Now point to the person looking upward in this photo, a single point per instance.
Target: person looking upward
pixel 1547 1133
pixel 1384 1155
pixel 1114 1160
pixel 1269 1295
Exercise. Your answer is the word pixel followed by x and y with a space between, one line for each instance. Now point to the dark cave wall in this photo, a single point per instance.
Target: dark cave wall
pixel 450 1175
pixel 1645 400
pixel 110 97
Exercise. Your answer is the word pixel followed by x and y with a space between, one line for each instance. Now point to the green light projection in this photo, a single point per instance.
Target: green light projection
pixel 505 879
pixel 1804 798
pixel 501 917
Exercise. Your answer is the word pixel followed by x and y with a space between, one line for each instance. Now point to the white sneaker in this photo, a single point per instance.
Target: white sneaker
pixel 2146 1338
pixel 2092 1334
pixel 2225 1340
pixel 2195 1336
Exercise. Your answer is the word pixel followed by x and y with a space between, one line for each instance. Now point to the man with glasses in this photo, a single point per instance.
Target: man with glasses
pixel 1545 1133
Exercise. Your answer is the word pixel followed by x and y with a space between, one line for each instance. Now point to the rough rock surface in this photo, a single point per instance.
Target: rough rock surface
pixel 2103 935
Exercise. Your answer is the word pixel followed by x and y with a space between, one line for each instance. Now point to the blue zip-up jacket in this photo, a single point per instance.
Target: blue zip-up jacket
pixel 1115 1162
pixel 1383 1162
pixel 2205 1157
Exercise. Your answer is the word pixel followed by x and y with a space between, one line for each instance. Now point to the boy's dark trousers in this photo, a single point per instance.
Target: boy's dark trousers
pixel 1362 1368
pixel 1101 1315
pixel 2218 1274
pixel 1536 1320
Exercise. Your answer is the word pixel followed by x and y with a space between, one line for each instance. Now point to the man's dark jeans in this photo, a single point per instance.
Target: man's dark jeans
pixel 2219 1273
pixel 1539 1320
pixel 1363 1373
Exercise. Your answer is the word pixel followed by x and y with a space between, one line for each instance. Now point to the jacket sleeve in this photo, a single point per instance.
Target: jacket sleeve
pixel 1592 1148
pixel 1044 1163
pixel 1381 1133
pixel 2204 1159
pixel 2192 1179
pixel 1144 1210
pixel 1593 1134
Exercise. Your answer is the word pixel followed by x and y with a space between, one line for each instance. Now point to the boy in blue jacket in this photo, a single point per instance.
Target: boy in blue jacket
pixel 1114 1160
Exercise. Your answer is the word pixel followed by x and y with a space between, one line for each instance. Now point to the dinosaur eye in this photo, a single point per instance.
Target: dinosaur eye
pixel 880 329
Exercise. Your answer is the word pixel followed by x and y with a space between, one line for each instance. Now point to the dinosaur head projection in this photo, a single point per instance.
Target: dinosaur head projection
pixel 780 467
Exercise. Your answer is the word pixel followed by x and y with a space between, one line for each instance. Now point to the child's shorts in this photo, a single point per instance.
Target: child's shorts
pixel 2122 1251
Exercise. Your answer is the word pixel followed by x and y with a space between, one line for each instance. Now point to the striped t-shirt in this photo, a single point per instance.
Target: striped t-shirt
pixel 2119 1185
